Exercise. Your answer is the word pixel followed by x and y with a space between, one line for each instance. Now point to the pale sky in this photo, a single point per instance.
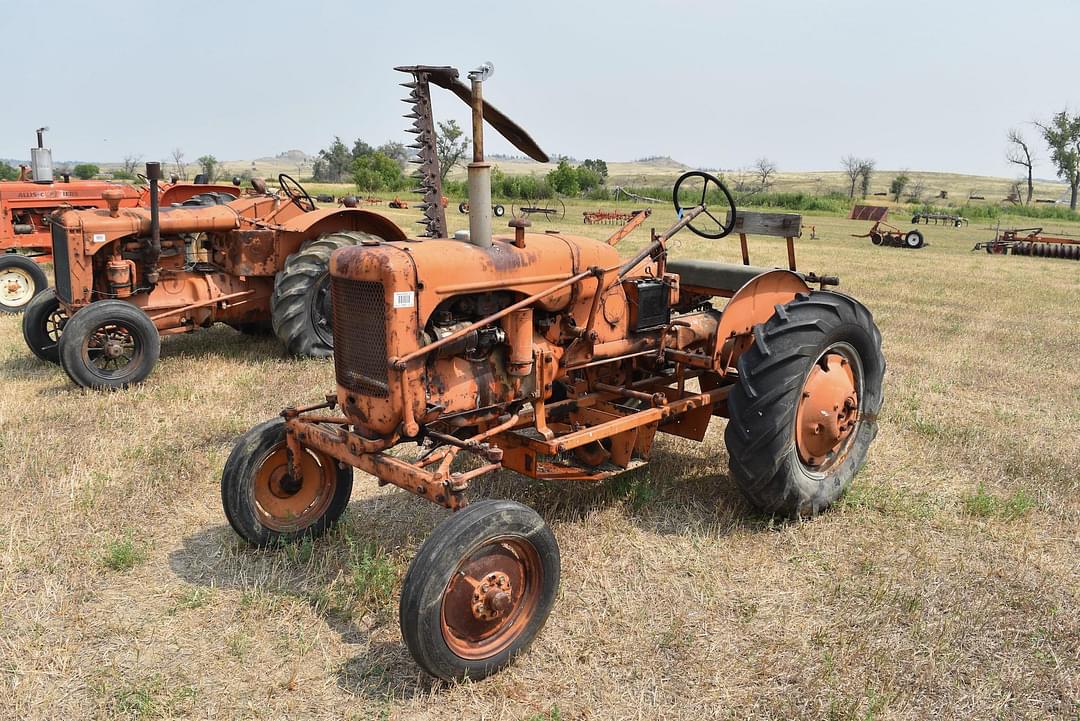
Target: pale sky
pixel 925 85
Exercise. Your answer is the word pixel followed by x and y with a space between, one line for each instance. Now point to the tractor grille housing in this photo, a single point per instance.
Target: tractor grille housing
pixel 359 324
pixel 61 267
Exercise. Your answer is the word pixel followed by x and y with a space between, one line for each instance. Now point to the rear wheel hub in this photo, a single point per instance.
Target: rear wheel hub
pixel 828 411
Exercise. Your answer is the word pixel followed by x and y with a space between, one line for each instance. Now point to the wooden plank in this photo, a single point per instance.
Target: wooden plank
pixel 781 225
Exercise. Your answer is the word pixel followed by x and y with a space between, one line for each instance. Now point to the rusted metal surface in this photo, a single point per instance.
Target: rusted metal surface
pixel 869 212
pixel 532 354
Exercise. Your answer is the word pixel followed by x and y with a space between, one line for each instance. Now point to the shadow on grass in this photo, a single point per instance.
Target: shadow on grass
pixel 212 344
pixel 666 497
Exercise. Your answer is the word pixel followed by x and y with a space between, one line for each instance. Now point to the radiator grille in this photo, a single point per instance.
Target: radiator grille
pixel 61 267
pixel 359 320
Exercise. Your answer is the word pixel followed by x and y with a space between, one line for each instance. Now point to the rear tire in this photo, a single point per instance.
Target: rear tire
pixel 501 543
pixel 108 345
pixel 259 502
pixel 498 211
pixel 300 304
pixel 914 239
pixel 875 238
pixel 21 279
pixel 42 324
pixel 766 429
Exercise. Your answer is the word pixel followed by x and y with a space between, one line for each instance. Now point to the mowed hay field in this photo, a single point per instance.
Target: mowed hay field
pixel 945 585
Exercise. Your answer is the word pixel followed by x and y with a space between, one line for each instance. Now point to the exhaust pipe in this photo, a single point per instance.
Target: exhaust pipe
pixel 152 252
pixel 479 170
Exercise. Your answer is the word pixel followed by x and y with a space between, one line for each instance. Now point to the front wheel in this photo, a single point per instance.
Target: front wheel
pixel 21 279
pixel 498 210
pixel 109 344
pixel 479 590
pixel 805 407
pixel 265 504
pixel 42 324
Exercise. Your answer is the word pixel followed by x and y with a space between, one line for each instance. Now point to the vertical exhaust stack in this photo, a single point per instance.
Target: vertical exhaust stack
pixel 479 170
pixel 41 159
pixel 153 250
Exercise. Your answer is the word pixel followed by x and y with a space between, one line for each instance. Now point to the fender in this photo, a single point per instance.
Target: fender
pixel 328 220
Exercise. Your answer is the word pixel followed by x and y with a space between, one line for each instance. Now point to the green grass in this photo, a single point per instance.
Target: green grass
pixel 123 554
pixel 987 505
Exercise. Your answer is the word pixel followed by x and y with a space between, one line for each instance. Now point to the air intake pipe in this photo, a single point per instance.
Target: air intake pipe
pixel 479 170
pixel 152 250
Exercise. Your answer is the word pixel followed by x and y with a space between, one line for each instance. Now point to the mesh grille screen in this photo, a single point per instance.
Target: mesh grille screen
pixel 359 320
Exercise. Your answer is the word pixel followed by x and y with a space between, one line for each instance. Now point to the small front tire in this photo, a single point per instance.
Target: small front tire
pixel 265 505
pixel 108 345
pixel 479 590
pixel 42 324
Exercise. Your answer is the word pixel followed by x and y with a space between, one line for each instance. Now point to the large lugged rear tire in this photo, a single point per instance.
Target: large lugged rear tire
pixel 804 409
pixel 300 305
pixel 265 505
pixel 42 324
pixel 479 590
pixel 20 280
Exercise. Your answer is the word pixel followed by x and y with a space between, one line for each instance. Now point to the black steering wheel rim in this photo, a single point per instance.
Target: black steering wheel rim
pixel 295 192
pixel 707 178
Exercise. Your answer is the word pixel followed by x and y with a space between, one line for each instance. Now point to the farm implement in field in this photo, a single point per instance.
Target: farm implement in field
pixel 26 208
pixel 1031 242
pixel 497 209
pixel 882 233
pixel 553 209
pixel 552 356
pixel 943 218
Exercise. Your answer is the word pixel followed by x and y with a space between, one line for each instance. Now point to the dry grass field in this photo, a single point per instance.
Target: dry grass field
pixel 945 585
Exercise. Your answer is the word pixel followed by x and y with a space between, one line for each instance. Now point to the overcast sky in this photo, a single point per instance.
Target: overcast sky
pixel 925 85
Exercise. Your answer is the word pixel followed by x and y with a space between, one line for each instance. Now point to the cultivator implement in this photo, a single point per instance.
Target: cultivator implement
pixel 1031 242
pixel 943 218
pixel 607 217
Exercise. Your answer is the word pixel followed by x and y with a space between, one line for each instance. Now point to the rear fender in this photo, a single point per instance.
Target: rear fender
pixel 752 304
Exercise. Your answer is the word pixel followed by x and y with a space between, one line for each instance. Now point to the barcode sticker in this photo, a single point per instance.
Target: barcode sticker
pixel 404 299
pixel 99 237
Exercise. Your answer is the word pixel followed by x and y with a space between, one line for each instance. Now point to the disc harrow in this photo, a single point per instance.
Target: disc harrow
pixel 1031 242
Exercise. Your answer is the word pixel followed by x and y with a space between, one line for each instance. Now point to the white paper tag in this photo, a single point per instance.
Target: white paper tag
pixel 99 237
pixel 404 299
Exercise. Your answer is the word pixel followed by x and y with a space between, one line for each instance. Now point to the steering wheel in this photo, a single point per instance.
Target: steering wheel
pixel 707 180
pixel 296 193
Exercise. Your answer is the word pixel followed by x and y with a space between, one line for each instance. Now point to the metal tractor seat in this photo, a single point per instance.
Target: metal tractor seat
pixel 713 274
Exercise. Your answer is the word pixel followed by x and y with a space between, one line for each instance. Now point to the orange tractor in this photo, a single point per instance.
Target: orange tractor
pixel 126 276
pixel 552 356
pixel 26 207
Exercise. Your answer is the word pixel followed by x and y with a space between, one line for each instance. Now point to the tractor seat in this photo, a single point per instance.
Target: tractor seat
pixel 713 274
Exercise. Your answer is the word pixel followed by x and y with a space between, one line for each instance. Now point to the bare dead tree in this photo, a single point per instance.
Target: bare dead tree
pixel 853 169
pixel 1019 153
pixel 178 163
pixel 765 169
pixel 131 162
pixel 856 169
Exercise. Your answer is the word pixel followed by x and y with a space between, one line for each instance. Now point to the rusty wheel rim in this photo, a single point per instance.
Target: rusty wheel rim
pixel 16 287
pixel 111 349
pixel 286 504
pixel 491 597
pixel 828 414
